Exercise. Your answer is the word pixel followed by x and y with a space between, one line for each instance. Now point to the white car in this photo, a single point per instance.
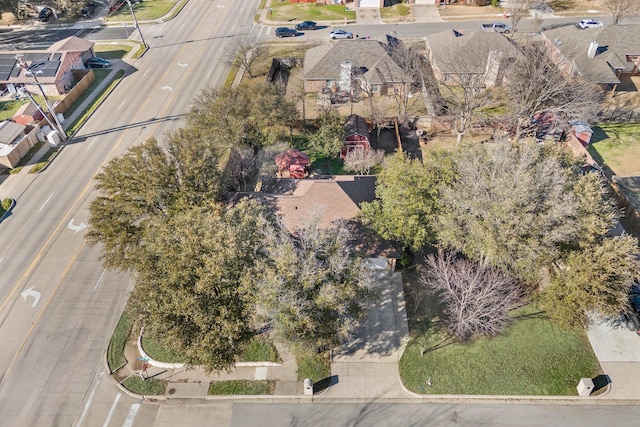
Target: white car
pixel 340 34
pixel 590 23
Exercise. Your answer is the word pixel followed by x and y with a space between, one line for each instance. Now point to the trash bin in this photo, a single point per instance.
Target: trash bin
pixel 308 387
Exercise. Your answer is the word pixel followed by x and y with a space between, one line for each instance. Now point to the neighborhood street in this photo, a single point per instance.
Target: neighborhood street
pixel 58 306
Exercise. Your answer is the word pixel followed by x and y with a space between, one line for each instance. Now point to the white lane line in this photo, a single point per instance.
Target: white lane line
pixel 87 149
pixel 120 106
pixel 131 416
pixel 86 405
pixel 208 74
pixel 112 410
pixel 98 282
pixel 145 73
pixel 45 202
pixel 1 259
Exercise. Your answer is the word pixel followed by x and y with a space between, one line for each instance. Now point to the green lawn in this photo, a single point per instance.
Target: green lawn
pixel 111 51
pixel 617 147
pixel 312 365
pixel 145 10
pixel 531 357
pixel 115 351
pixel 260 350
pixel 157 352
pixel 285 11
pixel 399 10
pixel 241 387
pixel 149 386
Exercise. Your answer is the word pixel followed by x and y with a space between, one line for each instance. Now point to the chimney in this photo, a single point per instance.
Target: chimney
pixel 593 48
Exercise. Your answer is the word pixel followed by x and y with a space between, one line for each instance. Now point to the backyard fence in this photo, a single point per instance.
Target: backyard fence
pixel 619 116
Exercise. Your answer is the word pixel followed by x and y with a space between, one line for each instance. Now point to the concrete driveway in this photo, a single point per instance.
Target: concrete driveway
pixel 618 350
pixel 368 365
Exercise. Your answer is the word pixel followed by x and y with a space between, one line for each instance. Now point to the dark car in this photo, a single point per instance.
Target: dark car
pixel 286 32
pixel 87 11
pixel 45 14
pixel 95 62
pixel 306 25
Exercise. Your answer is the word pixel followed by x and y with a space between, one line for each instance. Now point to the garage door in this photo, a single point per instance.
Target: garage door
pixel 369 3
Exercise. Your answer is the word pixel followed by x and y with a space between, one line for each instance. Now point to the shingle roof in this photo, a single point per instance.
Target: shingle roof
pixel 323 62
pixel 615 43
pixel 454 52
pixel 71 44
pixel 9 131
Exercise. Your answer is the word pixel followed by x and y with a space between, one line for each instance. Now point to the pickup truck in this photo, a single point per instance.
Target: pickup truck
pixel 498 27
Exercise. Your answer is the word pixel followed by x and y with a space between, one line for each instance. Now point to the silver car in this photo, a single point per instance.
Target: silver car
pixel 340 34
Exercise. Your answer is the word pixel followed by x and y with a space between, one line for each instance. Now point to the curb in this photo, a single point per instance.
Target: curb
pixel 8 211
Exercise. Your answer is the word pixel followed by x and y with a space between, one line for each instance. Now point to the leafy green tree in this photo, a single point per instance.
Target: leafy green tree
pixel 596 278
pixel 148 182
pixel 328 140
pixel 314 288
pixel 509 205
pixel 408 198
pixel 247 116
pixel 194 278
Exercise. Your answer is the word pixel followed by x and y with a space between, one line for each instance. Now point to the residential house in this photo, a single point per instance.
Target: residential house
pixel 486 55
pixel 53 68
pixel 296 202
pixel 600 56
pixel 15 142
pixel 349 67
pixel 27 114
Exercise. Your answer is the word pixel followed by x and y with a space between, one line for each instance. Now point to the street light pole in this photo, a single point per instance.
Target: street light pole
pixel 58 126
pixel 135 23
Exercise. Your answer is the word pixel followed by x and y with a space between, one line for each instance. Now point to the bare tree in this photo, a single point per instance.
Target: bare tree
pixel 477 298
pixel 361 161
pixel 242 167
pixel 519 9
pixel 245 54
pixel 535 85
pixel 621 9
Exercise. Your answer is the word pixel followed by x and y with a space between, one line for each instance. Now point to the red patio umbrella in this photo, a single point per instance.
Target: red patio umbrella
pixel 291 157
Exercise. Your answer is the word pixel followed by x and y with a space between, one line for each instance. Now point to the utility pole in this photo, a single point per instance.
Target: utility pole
pixel 135 23
pixel 28 72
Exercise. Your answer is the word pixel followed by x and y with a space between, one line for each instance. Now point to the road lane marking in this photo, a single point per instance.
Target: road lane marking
pixel 133 411
pixel 145 73
pixel 121 104
pixel 76 228
pixel 45 202
pixel 98 282
pixel 112 410
pixel 94 140
pixel 31 293
pixel 90 400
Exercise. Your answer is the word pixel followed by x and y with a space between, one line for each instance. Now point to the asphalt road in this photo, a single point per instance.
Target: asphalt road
pixel 58 307
pixel 43 38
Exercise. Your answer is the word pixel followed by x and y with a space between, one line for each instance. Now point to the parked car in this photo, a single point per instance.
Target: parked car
pixel 96 62
pixel 306 25
pixel 498 27
pixel 87 11
pixel 286 32
pixel 589 23
pixel 45 14
pixel 116 5
pixel 340 34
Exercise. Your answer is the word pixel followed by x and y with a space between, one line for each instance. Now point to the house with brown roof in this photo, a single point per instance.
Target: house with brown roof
pixel 601 55
pixel 356 66
pixel 15 141
pixel 53 68
pixel 486 55
pixel 296 202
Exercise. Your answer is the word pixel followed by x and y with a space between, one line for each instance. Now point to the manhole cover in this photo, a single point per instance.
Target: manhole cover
pixel 172 390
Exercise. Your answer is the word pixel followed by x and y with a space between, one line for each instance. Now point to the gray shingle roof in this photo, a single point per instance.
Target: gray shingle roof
pixel 615 43
pixel 453 52
pixel 323 62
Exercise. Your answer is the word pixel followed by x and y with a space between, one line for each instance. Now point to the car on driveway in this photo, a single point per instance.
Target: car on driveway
pixel 589 23
pixel 340 34
pixel 286 32
pixel 45 14
pixel 306 25
pixel 87 11
pixel 96 62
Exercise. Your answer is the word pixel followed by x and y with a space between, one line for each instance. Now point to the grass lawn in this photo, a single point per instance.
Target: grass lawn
pixel 241 387
pixel 285 11
pixel 617 147
pixel 531 357
pixel 146 10
pixel 399 10
pixel 9 108
pixel 149 386
pixel 4 206
pixel 115 351
pixel 111 51
pixel 260 349
pixel 312 365
pixel 157 352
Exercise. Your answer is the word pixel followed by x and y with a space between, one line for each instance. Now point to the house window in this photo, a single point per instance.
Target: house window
pixel 375 88
pixel 329 83
pixel 447 77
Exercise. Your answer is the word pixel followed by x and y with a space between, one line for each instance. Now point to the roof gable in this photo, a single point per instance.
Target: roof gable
pixel 71 44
